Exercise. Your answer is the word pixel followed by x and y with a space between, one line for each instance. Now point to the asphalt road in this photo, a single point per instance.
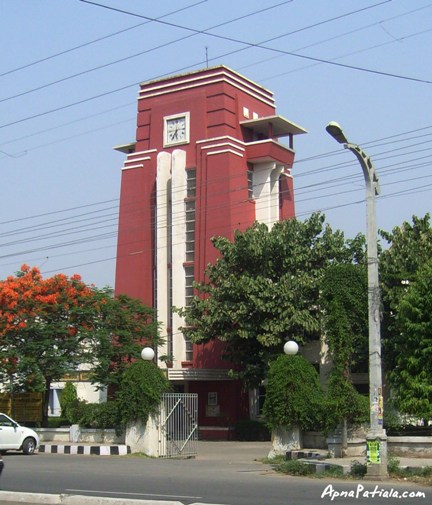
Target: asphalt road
pixel 215 476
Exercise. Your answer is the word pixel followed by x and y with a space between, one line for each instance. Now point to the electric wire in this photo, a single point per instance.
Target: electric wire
pixel 126 58
pixel 261 46
pixel 91 42
pixel 308 187
pixel 306 174
pixel 85 100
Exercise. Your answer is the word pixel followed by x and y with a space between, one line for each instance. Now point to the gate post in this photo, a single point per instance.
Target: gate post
pixel 144 438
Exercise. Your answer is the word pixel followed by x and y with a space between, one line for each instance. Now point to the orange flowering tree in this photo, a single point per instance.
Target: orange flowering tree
pixel 44 324
pixel 50 326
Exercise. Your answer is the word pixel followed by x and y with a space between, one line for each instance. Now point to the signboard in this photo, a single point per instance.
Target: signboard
pixel 373 452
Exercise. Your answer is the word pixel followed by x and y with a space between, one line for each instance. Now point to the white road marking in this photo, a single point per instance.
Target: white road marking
pixel 132 494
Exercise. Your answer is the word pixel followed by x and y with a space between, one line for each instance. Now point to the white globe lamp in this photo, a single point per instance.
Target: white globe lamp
pixel 147 354
pixel 291 348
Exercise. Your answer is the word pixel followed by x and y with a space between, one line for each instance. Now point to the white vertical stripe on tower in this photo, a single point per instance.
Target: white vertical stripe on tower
pixel 262 191
pixel 179 193
pixel 162 252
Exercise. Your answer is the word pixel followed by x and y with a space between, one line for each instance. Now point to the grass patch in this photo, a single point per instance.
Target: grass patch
pixel 357 472
pixel 419 475
pixel 299 468
pixel 294 467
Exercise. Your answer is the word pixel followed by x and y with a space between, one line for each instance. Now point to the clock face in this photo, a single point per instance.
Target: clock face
pixel 176 129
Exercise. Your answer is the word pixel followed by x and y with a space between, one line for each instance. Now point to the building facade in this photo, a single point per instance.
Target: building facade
pixel 207 161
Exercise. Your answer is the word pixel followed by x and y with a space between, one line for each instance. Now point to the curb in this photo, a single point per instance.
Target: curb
pixel 88 450
pixel 321 466
pixel 67 499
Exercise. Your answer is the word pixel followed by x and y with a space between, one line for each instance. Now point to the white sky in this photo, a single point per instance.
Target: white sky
pixel 60 116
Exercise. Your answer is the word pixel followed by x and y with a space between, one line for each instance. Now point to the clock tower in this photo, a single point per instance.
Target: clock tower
pixel 206 161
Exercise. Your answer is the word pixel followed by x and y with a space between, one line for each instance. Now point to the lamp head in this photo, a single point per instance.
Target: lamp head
pixel 290 348
pixel 147 354
pixel 336 132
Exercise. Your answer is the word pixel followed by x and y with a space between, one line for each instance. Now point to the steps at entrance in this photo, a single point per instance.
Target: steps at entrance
pixel 304 455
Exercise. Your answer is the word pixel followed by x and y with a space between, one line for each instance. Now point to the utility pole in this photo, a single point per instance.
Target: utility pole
pixel 376 438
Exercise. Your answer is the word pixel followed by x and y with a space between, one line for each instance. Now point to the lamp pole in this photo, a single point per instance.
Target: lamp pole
pixel 376 438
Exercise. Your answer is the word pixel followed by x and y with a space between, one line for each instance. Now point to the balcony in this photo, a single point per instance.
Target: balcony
pixel 269 150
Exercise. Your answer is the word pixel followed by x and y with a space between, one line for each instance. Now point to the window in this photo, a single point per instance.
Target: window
pixel 189 276
pixel 250 184
pixel 190 230
pixel 191 183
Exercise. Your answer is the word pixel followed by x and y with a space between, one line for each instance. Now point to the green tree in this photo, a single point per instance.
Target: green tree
pixel 294 397
pixel 122 327
pixel 411 378
pixel 264 289
pixel 409 247
pixel 344 300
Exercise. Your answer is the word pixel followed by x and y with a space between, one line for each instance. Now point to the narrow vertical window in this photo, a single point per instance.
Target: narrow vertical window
pixel 250 184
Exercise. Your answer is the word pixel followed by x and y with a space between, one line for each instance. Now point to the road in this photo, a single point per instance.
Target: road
pixel 209 478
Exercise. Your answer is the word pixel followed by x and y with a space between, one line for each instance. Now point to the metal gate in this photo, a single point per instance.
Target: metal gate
pixel 178 425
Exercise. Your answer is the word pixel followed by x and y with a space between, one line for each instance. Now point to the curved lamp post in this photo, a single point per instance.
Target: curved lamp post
pixel 147 354
pixel 376 438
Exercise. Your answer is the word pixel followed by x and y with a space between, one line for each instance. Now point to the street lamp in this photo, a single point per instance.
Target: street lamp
pixel 376 438
pixel 147 354
pixel 291 348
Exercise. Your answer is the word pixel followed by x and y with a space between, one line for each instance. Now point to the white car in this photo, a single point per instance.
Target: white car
pixel 14 437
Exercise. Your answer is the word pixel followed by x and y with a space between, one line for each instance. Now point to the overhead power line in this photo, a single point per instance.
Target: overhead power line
pixel 91 42
pixel 206 32
pixel 126 58
pixel 261 46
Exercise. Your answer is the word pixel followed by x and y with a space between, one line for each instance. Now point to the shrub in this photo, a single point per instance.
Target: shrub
pixel 294 396
pixel 295 467
pixel 68 398
pixel 56 422
pixel 75 411
pixel 140 391
pixel 250 430
pixel 358 469
pixel 100 415
pixel 393 465
pixel 344 402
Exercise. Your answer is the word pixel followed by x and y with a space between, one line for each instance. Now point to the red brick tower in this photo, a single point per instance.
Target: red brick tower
pixel 206 162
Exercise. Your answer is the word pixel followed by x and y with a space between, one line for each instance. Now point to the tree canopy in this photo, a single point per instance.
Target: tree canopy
pixel 344 302
pixel 122 328
pixel 411 377
pixel 264 289
pixel 49 327
pixel 43 324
